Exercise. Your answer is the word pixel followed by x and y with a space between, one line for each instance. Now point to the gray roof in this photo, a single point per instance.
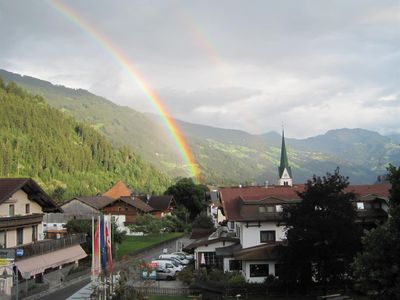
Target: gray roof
pixel 97 202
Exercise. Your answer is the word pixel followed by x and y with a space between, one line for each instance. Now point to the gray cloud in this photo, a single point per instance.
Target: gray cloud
pixel 315 65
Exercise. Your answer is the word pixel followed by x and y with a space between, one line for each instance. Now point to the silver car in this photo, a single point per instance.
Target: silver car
pixel 164 274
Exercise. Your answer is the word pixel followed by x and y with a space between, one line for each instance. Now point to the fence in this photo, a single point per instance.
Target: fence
pixel 163 291
pixel 46 246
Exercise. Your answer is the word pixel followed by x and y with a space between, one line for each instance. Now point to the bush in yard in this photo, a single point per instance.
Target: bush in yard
pixel 146 223
pixel 237 279
pixel 186 275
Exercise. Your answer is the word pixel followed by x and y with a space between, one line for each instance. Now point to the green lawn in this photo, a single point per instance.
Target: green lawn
pixel 134 243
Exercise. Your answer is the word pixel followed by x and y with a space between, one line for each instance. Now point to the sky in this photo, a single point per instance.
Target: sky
pixel 249 65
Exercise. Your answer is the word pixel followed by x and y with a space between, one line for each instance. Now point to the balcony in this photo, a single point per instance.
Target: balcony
pixel 50 245
pixel 20 221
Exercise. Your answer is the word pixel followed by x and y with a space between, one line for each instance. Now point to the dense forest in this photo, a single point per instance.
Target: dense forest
pixel 66 157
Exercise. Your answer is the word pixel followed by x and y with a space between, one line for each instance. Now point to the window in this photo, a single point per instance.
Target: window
pixel 279 208
pixel 232 225
pixel 3 239
pixel 238 231
pixel 259 270
pixel 27 208
pixel 267 236
pixel 235 265
pixel 360 205
pixel 11 210
pixel 119 208
pixel 213 260
pixel 261 209
pixel 285 183
pixel 20 236
pixel 377 205
pixel 367 205
pixel 34 233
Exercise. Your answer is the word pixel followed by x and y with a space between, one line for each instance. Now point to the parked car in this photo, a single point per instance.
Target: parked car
pixel 168 256
pixel 184 255
pixel 164 274
pixel 177 261
pixel 167 264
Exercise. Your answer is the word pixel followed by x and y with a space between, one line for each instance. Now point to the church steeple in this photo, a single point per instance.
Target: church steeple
pixel 285 172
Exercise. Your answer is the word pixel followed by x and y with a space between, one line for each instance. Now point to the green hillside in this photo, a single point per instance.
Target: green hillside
pixel 67 157
pixel 121 125
pixel 225 156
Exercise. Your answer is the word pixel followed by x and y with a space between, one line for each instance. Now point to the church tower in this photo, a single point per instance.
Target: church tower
pixel 285 172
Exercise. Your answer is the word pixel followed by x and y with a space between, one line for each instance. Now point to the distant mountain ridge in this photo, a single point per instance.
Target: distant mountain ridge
pixel 224 156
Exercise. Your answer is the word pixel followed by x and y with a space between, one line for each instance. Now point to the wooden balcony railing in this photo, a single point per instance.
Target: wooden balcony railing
pixel 20 221
pixel 50 245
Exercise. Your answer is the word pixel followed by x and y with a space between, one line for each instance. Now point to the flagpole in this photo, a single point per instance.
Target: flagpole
pixel 111 241
pixel 93 248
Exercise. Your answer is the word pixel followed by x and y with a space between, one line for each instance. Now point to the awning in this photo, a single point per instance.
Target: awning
pixel 228 250
pixel 37 264
pixel 259 252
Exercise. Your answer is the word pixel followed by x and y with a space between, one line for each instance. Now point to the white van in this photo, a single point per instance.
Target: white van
pixel 167 264
pixel 168 256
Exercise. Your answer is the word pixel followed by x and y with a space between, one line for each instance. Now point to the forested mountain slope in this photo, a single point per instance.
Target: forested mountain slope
pixel 65 156
pixel 224 156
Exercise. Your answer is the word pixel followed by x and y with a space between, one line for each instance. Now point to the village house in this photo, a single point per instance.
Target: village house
pixel 24 249
pixel 161 205
pixel 119 202
pixel 254 231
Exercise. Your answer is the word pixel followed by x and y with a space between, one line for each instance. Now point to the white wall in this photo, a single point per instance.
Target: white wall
pixel 19 199
pixel 250 236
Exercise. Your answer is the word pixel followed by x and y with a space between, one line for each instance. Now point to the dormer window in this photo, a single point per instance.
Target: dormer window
pixel 11 210
pixel 360 205
pixel 279 208
pixel 27 208
pixel 261 209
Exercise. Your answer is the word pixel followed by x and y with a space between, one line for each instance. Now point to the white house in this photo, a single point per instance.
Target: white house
pixel 24 250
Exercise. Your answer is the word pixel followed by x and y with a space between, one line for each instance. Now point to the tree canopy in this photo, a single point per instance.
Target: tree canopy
pixel 190 195
pixel 321 234
pixel 66 157
pixel 377 268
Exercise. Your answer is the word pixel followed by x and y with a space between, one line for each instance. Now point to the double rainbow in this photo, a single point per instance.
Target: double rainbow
pixel 135 75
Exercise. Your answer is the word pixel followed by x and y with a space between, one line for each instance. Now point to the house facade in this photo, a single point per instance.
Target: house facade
pixel 161 205
pixel 25 250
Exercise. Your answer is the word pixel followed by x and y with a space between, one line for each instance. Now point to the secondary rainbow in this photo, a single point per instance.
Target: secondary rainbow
pixel 105 43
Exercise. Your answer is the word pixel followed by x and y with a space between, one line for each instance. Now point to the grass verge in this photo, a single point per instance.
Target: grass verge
pixel 135 243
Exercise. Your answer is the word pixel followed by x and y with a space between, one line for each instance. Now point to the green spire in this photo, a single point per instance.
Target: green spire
pixel 284 158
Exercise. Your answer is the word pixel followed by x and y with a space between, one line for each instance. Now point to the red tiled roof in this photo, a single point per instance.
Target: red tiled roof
pixel 118 190
pixel 233 197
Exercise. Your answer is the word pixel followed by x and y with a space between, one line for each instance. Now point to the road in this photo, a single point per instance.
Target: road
pixel 66 292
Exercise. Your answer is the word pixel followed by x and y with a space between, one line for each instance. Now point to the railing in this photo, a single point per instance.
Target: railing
pixel 19 221
pixel 50 245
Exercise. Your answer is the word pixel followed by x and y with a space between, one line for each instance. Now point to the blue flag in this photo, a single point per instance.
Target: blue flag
pixel 103 246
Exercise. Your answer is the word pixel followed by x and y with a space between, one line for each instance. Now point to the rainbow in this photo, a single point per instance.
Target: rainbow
pixel 135 75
